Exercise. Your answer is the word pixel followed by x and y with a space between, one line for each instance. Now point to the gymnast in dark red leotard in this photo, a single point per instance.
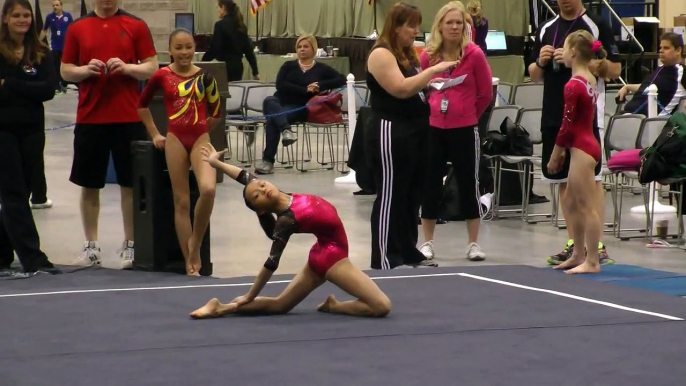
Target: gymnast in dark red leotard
pixel 576 135
pixel 327 261
pixel 580 111
pixel 192 103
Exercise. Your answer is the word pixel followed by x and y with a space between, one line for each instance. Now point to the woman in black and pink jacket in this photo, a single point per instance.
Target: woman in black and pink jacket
pixel 455 112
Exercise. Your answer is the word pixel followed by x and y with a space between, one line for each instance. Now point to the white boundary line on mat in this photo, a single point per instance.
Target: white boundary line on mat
pixel 85 291
pixel 570 296
pixel 461 274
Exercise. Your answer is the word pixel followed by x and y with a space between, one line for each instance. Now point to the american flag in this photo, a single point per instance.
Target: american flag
pixel 256 5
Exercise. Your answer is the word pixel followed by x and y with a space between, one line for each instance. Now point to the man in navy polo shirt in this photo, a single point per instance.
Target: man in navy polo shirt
pixel 57 22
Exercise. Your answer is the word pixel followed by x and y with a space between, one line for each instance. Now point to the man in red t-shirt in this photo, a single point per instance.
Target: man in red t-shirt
pixel 107 52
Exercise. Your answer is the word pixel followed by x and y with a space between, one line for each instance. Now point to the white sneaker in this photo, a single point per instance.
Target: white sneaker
pixel 46 205
pixel 427 249
pixel 89 256
pixel 474 252
pixel 126 255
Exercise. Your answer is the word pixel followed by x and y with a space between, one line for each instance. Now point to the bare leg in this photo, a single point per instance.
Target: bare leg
pixel 473 229
pixel 371 301
pixel 298 289
pixel 177 163
pixel 127 212
pixel 566 209
pixel 428 228
pixel 585 189
pixel 575 225
pixel 207 184
pixel 90 212
pixel 600 208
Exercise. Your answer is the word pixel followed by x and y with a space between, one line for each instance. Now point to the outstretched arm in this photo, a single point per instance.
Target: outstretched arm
pixel 211 156
pixel 285 227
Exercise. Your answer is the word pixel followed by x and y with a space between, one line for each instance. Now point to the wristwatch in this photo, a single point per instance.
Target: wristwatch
pixel 539 64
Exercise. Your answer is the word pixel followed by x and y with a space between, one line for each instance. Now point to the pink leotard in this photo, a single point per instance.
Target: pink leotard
pixel 577 125
pixel 185 99
pixel 307 214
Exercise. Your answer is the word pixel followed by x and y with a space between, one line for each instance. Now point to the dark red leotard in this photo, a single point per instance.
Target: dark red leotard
pixel 313 215
pixel 577 125
pixel 185 98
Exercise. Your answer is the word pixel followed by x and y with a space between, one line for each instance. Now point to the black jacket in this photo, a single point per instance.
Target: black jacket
pixel 228 43
pixel 24 90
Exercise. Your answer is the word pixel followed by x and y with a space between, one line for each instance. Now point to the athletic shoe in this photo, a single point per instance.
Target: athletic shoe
pixel 427 249
pixel 89 256
pixel 474 252
pixel 604 257
pixel 562 256
pixel 126 255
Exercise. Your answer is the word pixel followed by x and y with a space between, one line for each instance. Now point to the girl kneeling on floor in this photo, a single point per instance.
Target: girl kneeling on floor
pixel 328 259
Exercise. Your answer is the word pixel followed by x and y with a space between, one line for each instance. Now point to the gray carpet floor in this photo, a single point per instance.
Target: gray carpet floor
pixel 442 330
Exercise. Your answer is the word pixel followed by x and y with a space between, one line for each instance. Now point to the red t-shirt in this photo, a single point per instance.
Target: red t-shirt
pixel 108 98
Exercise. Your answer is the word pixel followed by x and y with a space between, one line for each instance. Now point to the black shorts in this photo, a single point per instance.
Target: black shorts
pixel 93 144
pixel 549 135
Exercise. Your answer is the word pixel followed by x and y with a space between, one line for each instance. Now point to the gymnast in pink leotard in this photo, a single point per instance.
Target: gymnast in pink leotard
pixel 327 261
pixel 576 135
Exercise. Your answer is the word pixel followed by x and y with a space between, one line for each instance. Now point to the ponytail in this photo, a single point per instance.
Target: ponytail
pixel 235 13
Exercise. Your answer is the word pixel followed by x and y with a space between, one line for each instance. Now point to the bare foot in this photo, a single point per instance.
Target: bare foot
pixel 586 267
pixel 326 306
pixel 194 258
pixel 213 309
pixel 572 262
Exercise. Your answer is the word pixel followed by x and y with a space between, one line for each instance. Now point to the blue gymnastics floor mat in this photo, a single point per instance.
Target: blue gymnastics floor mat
pixel 669 283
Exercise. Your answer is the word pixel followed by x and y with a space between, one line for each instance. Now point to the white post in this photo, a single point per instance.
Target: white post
pixel 655 206
pixel 352 122
pixel 496 82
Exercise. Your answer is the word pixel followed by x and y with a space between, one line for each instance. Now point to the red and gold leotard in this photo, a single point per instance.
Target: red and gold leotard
pixel 185 98
pixel 577 125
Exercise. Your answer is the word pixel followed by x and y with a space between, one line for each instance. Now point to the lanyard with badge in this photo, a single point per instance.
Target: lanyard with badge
pixel 58 21
pixel 556 65
pixel 445 103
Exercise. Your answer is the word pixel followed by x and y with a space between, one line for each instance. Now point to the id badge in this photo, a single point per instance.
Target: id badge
pixel 422 97
pixel 444 105
pixel 59 32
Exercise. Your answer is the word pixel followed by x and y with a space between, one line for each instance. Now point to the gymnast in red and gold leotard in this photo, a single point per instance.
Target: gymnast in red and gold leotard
pixel 580 111
pixel 327 260
pixel 191 99
pixel 185 99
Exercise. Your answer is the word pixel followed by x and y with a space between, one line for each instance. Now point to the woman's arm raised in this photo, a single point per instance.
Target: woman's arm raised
pixel 384 66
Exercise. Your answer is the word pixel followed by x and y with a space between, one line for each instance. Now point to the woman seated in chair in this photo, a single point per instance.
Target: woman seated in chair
pixel 669 79
pixel 296 83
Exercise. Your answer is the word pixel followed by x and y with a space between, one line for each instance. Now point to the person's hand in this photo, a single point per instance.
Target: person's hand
pixel 159 141
pixel 210 155
pixel 242 300
pixel 623 92
pixel 435 80
pixel 555 163
pixel 545 55
pixel 444 67
pixel 313 88
pixel 95 67
pixel 558 55
pixel 116 65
